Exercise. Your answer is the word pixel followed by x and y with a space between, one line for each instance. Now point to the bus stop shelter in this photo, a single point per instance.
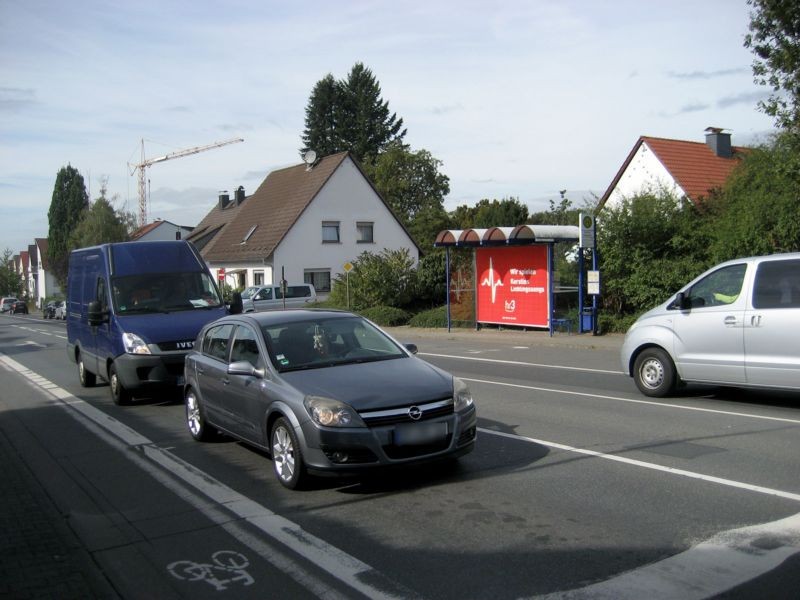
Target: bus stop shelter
pixel 513 272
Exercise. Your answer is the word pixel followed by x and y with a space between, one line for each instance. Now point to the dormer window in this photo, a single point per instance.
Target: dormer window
pixel 248 234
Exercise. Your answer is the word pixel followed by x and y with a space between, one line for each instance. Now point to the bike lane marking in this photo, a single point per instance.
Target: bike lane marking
pixel 186 481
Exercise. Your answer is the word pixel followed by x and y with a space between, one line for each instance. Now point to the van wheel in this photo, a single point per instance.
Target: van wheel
pixel 287 460
pixel 119 394
pixel 86 378
pixel 654 373
pixel 195 419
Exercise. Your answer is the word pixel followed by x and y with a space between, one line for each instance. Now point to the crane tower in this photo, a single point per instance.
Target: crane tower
pixel 146 162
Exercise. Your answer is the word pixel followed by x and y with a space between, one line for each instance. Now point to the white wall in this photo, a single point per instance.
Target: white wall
pixel 644 173
pixel 165 232
pixel 348 198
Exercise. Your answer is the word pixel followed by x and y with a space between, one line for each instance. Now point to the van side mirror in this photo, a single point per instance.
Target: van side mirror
pixel 681 302
pixel 412 348
pixel 236 306
pixel 95 314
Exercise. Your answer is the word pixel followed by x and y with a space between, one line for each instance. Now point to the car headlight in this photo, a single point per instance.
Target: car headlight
pixel 328 412
pixel 133 344
pixel 462 397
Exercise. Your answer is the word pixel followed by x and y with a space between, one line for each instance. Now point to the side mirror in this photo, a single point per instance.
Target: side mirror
pixel 236 307
pixel 243 367
pixel 681 302
pixel 95 314
pixel 411 348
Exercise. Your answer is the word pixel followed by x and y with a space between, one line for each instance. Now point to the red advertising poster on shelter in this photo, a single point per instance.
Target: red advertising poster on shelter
pixel 513 285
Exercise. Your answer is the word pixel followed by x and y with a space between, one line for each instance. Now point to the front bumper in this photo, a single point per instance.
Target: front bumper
pixel 352 450
pixel 142 374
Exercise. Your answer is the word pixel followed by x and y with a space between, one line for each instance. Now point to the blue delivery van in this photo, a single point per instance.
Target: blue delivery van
pixel 133 312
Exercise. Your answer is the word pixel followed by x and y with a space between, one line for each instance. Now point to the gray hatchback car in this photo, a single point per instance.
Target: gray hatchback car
pixel 323 392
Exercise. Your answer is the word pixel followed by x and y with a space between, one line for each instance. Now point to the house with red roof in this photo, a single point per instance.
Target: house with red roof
pixel 688 169
pixel 306 221
pixel 160 231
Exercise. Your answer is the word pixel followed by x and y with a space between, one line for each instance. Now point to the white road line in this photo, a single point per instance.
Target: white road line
pixel 705 570
pixel 349 570
pixel 520 363
pixel 647 465
pixel 634 401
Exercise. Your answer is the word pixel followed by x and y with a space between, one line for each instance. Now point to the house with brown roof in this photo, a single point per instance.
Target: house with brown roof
pixel 306 221
pixel 160 231
pixel 44 283
pixel 688 169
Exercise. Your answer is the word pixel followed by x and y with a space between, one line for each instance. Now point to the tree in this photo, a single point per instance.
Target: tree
pixel 758 208
pixel 414 189
pixel 650 245
pixel 323 117
pixel 775 40
pixel 101 224
pixel 69 202
pixel 10 281
pixel 350 115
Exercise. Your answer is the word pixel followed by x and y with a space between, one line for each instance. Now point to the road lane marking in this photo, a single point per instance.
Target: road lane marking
pixel 182 477
pixel 634 401
pixel 521 363
pixel 705 570
pixel 648 465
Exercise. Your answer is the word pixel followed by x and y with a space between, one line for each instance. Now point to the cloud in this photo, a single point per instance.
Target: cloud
pixel 177 109
pixel 743 98
pixel 708 74
pixel 14 99
pixel 694 107
pixel 443 110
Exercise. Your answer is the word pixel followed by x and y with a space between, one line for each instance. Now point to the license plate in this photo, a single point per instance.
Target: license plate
pixel 417 434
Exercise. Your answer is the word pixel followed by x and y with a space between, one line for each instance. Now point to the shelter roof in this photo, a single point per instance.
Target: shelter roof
pixel 499 236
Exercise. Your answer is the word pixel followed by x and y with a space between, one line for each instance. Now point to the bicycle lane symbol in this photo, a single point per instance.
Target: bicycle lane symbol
pixel 226 567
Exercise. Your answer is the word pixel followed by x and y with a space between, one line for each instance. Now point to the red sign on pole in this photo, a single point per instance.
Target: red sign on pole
pixel 221 274
pixel 513 285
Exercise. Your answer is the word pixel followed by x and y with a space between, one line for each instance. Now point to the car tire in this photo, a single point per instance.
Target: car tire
pixel 119 394
pixel 654 373
pixel 287 459
pixel 86 378
pixel 195 418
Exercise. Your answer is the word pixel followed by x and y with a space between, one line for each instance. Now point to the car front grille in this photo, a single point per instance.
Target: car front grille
pixel 392 416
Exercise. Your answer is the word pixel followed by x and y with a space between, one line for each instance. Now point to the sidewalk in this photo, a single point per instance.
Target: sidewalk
pixel 40 556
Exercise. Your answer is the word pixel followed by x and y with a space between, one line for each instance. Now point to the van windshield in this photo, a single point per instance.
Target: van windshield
pixel 164 292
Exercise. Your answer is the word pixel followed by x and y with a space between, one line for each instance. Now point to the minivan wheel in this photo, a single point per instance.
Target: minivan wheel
pixel 195 419
pixel 287 460
pixel 86 378
pixel 119 394
pixel 654 373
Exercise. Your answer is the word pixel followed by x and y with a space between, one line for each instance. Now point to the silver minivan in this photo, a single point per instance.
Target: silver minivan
pixel 269 297
pixel 736 324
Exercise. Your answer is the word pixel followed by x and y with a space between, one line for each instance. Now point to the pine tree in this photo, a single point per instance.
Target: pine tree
pixel 69 202
pixel 322 118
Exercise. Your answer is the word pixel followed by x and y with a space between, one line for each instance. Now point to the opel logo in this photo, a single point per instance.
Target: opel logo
pixel 414 413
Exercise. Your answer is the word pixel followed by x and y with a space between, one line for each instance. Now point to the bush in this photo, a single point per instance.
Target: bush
pixel 610 323
pixel 386 316
pixel 435 317
pixel 384 279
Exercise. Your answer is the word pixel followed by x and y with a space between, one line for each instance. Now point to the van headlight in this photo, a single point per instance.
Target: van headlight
pixel 328 412
pixel 462 397
pixel 133 344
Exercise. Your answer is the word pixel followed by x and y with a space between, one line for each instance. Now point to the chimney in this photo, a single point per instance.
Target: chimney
pixel 239 195
pixel 224 199
pixel 719 142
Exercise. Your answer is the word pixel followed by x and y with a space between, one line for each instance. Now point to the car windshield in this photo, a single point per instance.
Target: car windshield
pixel 328 342
pixel 164 292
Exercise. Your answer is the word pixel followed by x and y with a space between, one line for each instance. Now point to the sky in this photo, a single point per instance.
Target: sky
pixel 515 98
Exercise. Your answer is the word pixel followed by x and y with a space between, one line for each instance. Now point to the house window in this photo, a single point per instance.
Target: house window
pixel 320 279
pixel 364 233
pixel 177 235
pixel 258 278
pixel 330 232
pixel 248 234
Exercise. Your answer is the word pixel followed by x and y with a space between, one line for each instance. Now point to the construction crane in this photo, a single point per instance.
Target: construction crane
pixel 146 162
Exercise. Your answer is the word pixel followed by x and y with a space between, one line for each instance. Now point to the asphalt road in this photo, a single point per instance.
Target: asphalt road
pixel 578 487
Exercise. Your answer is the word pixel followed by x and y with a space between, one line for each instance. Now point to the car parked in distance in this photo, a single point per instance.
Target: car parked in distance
pixel 6 303
pixel 19 308
pixel 323 392
pixel 60 311
pixel 270 297
pixel 736 325
pixel 49 310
